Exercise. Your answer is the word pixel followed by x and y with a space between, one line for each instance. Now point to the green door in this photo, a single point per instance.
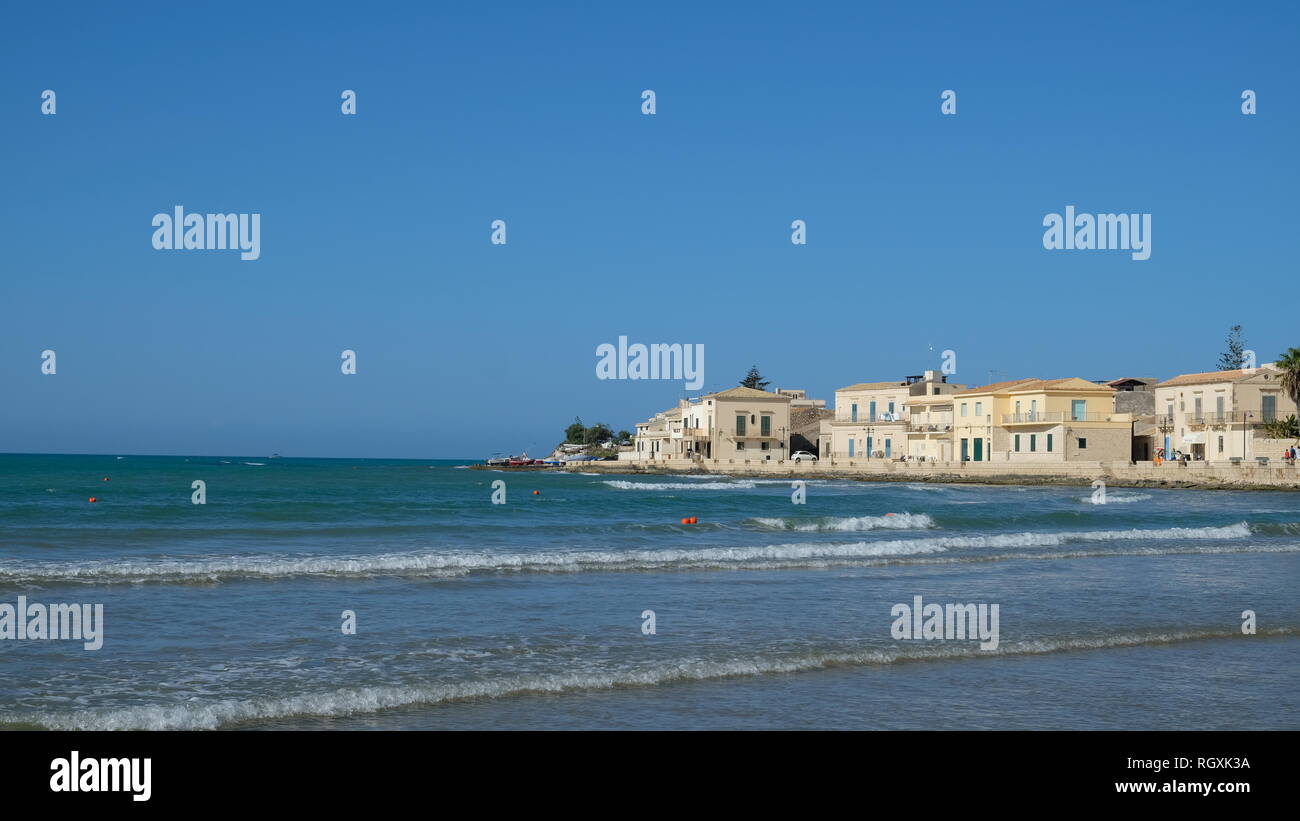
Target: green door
pixel 979 450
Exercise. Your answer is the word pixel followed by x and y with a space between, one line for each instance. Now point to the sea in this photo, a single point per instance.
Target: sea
pixel 366 594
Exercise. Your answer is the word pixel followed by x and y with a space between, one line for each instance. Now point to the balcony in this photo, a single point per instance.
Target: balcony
pixel 1053 417
pixel 1253 417
pixel 926 426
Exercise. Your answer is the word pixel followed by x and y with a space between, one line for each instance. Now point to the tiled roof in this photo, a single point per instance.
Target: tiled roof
pixel 1025 385
pixel 873 386
pixel 748 393
pixel 994 387
pixel 1208 377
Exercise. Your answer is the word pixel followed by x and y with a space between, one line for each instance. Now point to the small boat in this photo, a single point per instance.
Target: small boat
pixel 498 460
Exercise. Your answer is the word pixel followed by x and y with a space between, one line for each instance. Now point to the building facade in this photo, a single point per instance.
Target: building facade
pixel 1040 420
pixel 1219 415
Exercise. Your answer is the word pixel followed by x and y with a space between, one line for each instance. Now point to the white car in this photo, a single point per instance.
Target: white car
pixel 802 456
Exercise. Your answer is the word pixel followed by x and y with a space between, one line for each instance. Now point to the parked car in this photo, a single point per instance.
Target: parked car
pixel 803 456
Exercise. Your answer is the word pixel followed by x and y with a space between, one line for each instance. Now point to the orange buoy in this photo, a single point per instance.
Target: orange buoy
pixel 105 478
pixel 93 499
pixel 889 514
pixel 694 520
pixel 537 493
pixel 686 520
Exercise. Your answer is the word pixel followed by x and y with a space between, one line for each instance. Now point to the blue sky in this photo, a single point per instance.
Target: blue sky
pixel 924 230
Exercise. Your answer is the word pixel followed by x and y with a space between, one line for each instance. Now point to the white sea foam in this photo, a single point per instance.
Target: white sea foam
pixel 894 521
pixel 624 485
pixel 809 554
pixel 198 715
pixel 1113 498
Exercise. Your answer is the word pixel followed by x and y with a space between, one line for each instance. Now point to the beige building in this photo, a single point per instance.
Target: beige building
pixel 872 418
pixel 1218 415
pixel 929 428
pixel 739 424
pixel 1037 420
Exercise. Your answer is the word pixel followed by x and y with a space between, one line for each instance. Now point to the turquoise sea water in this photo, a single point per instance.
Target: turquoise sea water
pixel 529 614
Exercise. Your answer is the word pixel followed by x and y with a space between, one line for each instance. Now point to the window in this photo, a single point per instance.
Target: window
pixel 763 446
pixel 1220 444
pixel 1078 410
pixel 740 446
pixel 1083 443
pixel 1218 406
pixel 850 448
pixel 1017 443
pixel 853 412
pixel 1049 443
pixel 1033 409
pixel 869 447
pixel 740 425
pixel 1268 406
pixel 888 448
pixel 891 409
pixel 1033 442
pixel 963 408
pixel 979 408
pixel 871 412
pixel 936 391
pixel 765 428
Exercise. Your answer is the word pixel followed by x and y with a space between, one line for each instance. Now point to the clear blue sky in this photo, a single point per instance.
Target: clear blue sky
pixel 924 231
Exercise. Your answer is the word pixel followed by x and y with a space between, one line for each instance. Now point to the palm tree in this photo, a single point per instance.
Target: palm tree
pixel 1289 364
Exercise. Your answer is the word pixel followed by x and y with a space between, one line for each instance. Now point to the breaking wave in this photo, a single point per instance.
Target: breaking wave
pixel 890 521
pixel 373 699
pixel 810 554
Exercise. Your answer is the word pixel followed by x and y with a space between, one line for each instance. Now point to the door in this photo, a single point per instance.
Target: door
pixel 965 455
pixel 979 450
pixel 1078 409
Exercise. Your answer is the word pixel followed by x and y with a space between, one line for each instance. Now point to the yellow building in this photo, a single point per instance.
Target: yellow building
pixel 1037 420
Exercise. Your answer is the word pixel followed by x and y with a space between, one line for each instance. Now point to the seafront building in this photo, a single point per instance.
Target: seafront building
pixel 1215 416
pixel 1219 415
pixel 873 419
pixel 740 423
pixel 1042 420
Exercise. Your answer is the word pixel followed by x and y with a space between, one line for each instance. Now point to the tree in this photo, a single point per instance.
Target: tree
pixel 1289 364
pixel 624 437
pixel 1288 428
pixel 1235 357
pixel 575 434
pixel 596 434
pixel 754 380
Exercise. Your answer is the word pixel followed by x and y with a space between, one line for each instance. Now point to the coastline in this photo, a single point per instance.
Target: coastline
pixel 1193 476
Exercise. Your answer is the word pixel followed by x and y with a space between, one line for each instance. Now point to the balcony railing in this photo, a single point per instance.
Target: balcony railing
pixel 928 427
pixel 1253 417
pixel 1050 417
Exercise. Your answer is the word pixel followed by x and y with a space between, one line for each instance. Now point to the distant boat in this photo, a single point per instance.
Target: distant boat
pixel 498 460
pixel 275 456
